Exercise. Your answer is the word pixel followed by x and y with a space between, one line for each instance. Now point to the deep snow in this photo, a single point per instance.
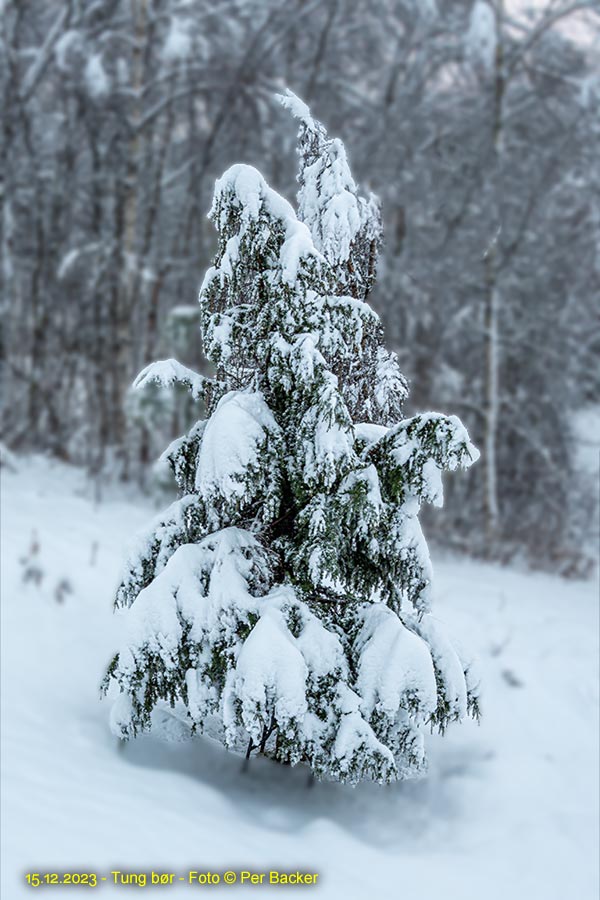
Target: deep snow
pixel 509 809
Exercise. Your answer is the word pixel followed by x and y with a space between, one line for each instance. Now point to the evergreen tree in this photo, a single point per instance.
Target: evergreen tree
pixel 282 603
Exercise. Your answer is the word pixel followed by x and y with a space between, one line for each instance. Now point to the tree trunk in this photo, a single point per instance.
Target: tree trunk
pixel 492 303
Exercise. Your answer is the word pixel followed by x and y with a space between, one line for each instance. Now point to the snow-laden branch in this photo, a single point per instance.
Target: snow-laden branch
pixel 243 188
pixel 412 455
pixel 168 372
pixel 297 107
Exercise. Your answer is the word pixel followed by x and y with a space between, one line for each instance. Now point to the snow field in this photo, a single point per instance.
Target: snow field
pixel 509 809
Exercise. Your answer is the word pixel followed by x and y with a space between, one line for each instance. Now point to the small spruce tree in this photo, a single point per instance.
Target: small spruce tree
pixel 282 602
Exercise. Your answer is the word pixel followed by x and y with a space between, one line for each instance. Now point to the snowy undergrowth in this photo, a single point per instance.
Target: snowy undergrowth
pixel 509 808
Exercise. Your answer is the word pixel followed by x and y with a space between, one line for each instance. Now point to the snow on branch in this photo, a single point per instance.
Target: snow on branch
pixel 345 227
pixel 167 372
pixel 244 188
pixel 414 453
pixel 395 670
pixel 269 679
pixel 298 108
pixel 154 546
pixel 239 458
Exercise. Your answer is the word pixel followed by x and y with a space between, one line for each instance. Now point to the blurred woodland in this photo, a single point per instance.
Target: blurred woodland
pixel 476 124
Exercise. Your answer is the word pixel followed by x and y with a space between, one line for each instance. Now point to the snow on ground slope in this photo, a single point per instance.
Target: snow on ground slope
pixel 509 808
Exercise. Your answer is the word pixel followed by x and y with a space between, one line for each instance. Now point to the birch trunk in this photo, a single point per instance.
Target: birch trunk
pixel 493 302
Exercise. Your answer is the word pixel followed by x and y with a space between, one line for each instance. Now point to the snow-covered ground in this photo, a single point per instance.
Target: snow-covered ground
pixel 509 809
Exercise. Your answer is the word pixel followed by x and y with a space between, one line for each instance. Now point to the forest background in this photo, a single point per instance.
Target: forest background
pixel 476 124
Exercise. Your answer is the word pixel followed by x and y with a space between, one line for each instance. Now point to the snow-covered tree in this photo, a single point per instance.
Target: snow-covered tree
pixel 283 602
